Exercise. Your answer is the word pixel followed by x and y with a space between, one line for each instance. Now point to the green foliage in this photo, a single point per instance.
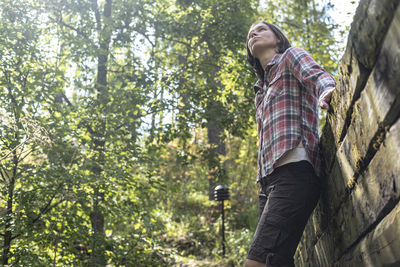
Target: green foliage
pixel 108 112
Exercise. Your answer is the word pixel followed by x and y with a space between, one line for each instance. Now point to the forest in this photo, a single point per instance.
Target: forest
pixel 120 117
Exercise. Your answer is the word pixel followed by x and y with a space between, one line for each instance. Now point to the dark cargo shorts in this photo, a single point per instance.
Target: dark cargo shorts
pixel 287 198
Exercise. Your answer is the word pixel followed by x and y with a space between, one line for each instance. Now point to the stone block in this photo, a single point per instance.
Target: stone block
pixel 363 47
pixel 301 254
pixel 311 233
pixel 385 77
pixel 351 215
pixel 383 172
pixel 376 108
pixel 305 256
pixel 327 245
pixel 335 189
pixel 319 219
pixel 352 79
pixel 326 248
pixel 375 192
pixel 369 27
pixel 345 161
pixel 380 247
pixel 328 147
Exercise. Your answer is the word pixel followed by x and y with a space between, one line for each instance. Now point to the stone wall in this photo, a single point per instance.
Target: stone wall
pixel 357 221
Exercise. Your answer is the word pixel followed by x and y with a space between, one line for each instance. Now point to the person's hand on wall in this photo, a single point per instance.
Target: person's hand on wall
pixel 325 98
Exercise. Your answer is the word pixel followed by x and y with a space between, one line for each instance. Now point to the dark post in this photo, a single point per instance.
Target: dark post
pixel 223 227
pixel 221 193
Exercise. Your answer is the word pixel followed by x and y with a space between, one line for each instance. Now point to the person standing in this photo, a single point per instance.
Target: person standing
pixel 289 89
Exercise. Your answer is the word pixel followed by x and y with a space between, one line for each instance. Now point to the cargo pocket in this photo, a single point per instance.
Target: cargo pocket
pixel 268 239
pixel 278 233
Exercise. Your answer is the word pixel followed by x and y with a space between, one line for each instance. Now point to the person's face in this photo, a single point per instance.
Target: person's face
pixel 260 38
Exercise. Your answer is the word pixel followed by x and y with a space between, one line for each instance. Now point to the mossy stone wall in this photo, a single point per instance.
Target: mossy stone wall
pixel 357 221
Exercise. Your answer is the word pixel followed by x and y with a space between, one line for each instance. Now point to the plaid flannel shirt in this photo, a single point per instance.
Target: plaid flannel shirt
pixel 287 108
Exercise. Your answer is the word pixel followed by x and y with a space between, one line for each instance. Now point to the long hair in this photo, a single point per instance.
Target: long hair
pixel 283 44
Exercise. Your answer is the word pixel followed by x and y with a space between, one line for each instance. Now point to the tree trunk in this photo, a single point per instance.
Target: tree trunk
pixel 214 132
pixel 9 214
pixel 99 136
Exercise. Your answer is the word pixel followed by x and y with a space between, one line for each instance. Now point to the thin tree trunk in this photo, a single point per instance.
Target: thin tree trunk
pixel 9 214
pixel 214 132
pixel 153 118
pixel 99 136
pixel 161 114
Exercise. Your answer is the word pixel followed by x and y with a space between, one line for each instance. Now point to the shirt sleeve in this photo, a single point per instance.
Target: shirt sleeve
pixel 308 72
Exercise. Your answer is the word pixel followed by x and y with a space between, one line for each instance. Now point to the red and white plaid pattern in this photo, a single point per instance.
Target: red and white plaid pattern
pixel 287 108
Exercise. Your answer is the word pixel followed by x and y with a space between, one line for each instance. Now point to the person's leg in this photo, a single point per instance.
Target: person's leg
pixel 254 258
pixel 267 234
pixel 293 192
pixel 292 201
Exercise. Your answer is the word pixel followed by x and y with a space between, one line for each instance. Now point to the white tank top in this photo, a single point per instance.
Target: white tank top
pixel 296 154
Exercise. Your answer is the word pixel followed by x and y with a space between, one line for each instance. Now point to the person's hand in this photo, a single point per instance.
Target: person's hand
pixel 325 98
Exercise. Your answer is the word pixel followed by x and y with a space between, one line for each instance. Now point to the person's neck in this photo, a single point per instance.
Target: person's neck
pixel 266 57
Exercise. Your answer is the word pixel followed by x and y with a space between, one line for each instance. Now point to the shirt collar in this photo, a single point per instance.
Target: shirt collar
pixel 258 86
pixel 273 61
